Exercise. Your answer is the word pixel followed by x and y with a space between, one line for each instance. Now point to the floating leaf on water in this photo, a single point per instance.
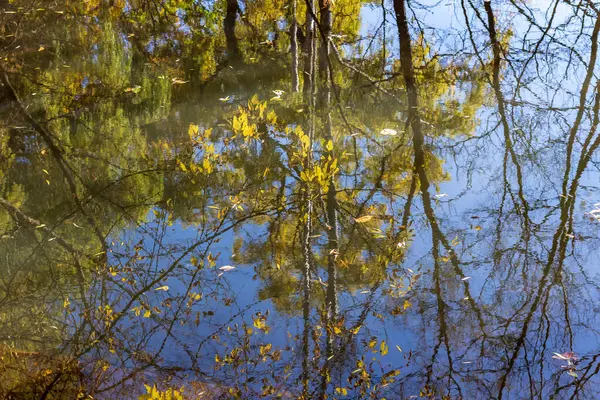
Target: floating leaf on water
pixel 226 268
pixel 573 373
pixel 441 195
pixel 42 48
pixel 40 226
pixel 224 99
pixel 165 288
pixel 559 356
pixel 477 227
pixel 399 348
pixel 364 218
pixel 177 81
pixel 466 278
pixel 388 132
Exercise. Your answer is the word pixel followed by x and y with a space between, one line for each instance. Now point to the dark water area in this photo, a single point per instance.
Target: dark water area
pixel 298 199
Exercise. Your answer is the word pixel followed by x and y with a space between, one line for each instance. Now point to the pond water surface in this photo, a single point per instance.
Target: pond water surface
pixel 400 200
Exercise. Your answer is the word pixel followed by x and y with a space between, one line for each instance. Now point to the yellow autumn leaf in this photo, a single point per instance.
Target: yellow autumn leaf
pixel 266 349
pixel 383 348
pixel 193 131
pixel 364 218
pixel 329 146
pixel 165 288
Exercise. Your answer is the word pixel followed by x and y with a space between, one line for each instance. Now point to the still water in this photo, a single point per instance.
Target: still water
pixel 300 200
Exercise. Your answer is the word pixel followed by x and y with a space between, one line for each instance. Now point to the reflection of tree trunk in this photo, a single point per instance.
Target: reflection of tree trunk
pixel 326 21
pixel 502 112
pixel 229 28
pixel 306 295
pixel 419 170
pixel 309 53
pixel 331 303
pixel 331 205
pixel 294 46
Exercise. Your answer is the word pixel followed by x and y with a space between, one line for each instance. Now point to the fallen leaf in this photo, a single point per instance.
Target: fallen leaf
pixel 364 218
pixel 226 268
pixel 165 288
pixel 559 356
pixel 388 132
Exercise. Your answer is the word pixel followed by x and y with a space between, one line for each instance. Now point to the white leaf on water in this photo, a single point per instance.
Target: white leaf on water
pixel 559 356
pixel 466 278
pixel 441 195
pixel 165 288
pixel 226 268
pixel 388 132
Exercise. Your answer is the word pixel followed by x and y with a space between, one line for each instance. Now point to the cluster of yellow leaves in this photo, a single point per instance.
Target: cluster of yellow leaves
pixel 152 393
pixel 383 347
pixel 247 119
pixel 260 322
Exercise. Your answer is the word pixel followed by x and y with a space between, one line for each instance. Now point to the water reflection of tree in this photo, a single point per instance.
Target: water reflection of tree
pixel 319 236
